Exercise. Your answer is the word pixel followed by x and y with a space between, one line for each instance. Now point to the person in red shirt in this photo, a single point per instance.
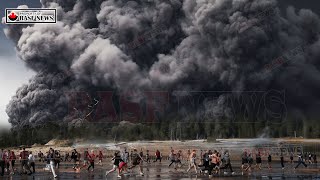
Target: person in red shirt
pixel 12 160
pixel 91 158
pixel 5 160
pixel 24 161
pixel 158 156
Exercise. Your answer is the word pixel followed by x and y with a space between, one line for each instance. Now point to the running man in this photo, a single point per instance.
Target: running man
pixel 51 158
pixel 188 154
pixel 125 156
pixel 258 160
pixel 32 162
pixel 244 160
pixel 192 161
pixel 24 161
pixel 291 158
pixel 179 158
pixel 282 160
pixel 226 158
pixel 310 158
pixel 91 158
pixel 300 161
pixel 148 157
pixel 123 167
pixel 5 158
pixel 158 156
pixel 137 161
pixel 172 158
pixel 40 156
pixel 100 156
pixel 85 159
pixel 214 162
pixel 12 160
pixel 74 158
pixel 116 164
pixel 250 162
pixel 67 157
pixel 269 161
pixel 57 159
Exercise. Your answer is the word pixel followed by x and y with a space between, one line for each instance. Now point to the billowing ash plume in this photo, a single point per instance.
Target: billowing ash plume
pixel 201 46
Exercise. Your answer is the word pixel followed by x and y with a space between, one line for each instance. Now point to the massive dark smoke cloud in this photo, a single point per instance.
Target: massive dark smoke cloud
pixel 200 48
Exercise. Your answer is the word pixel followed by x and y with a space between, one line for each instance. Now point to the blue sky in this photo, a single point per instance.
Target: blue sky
pixel 13 72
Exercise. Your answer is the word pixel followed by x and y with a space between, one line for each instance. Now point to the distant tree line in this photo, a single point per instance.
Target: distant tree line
pixel 167 129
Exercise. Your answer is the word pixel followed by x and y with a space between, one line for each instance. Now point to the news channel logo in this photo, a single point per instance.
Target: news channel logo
pixel 30 16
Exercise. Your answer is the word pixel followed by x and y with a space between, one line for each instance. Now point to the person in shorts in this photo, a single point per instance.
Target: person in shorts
pixel 137 161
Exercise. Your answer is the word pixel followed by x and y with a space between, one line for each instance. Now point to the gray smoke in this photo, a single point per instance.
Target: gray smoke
pixel 200 48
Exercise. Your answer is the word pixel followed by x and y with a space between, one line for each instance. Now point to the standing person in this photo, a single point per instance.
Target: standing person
pixel 192 161
pixel 32 162
pixel 100 156
pixel 269 161
pixel 226 158
pixel 116 162
pixel 24 161
pixel 74 157
pixel 258 160
pixel 137 161
pixel 51 158
pixel 282 160
pixel 300 161
pixel 158 156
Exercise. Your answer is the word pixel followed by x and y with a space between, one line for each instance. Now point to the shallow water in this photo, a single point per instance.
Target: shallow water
pixel 157 171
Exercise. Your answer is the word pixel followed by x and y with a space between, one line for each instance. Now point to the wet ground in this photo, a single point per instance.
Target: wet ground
pixel 155 171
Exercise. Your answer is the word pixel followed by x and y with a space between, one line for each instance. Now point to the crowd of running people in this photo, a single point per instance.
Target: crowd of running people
pixel 203 162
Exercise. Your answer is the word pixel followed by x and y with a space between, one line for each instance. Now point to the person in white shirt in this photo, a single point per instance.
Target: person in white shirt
pixel 31 160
